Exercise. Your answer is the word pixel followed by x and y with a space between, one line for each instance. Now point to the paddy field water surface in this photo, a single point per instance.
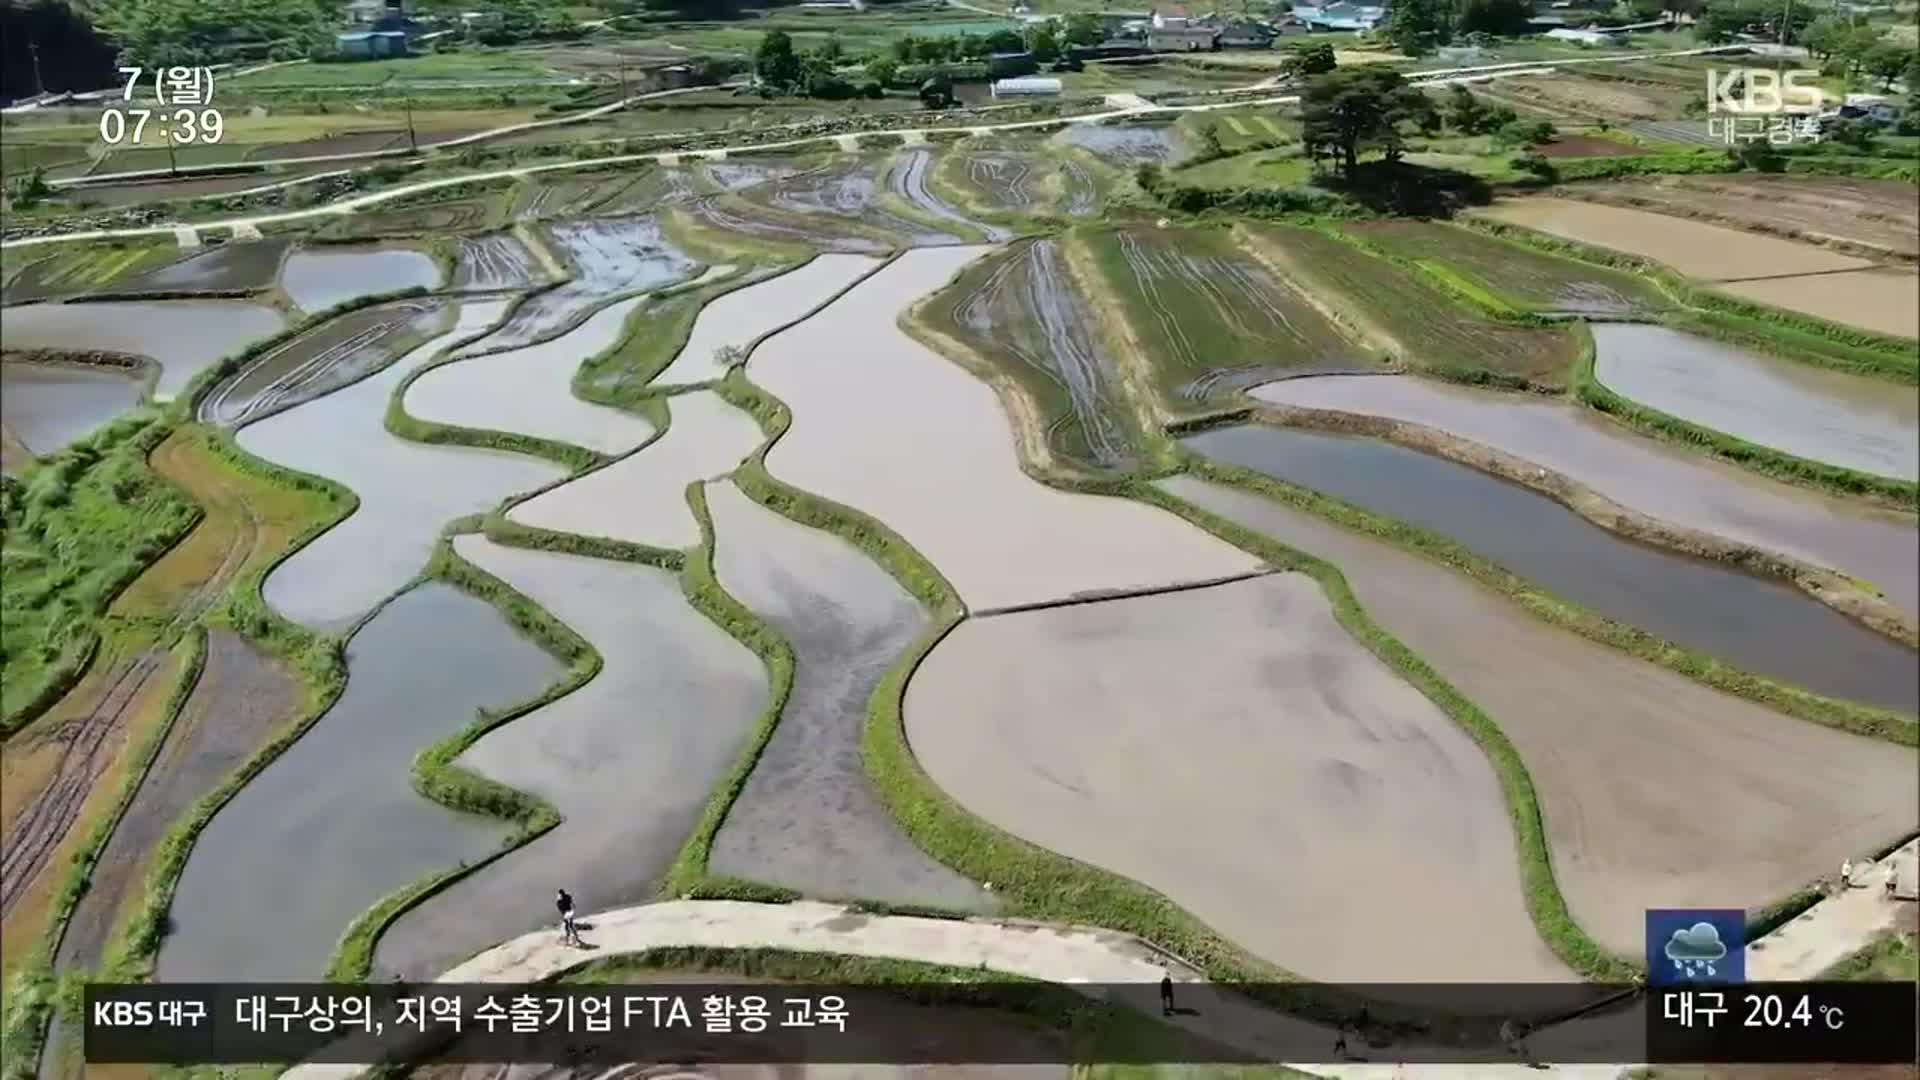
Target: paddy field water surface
pixel 318 278
pixel 407 491
pixel 334 823
pixel 736 319
pixel 1235 749
pixel 1681 488
pixel 185 336
pixel 47 406
pixel 1614 745
pixel 1763 626
pixel 628 759
pixel 1815 413
pixel 885 425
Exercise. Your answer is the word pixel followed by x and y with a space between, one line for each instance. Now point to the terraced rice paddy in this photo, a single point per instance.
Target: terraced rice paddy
pixel 1613 745
pixel 1522 276
pixel 244 265
pixel 1885 301
pixel 325 358
pixel 846 188
pixel 1694 248
pixel 84 269
pixel 493 261
pixel 808 818
pixel 642 497
pixel 1053 725
pixel 1684 489
pixel 47 406
pixel 1414 319
pixel 529 389
pixel 318 279
pixel 608 256
pixel 1008 179
pixel 185 336
pixel 544 198
pixel 1126 144
pixel 736 320
pixel 1766 627
pixel 628 759
pixel 334 824
pixel 741 175
pixel 1876 215
pixel 472 214
pixel 958 494
pixel 908 179
pixel 1018 310
pixel 1211 319
pixel 1810 412
pixel 407 491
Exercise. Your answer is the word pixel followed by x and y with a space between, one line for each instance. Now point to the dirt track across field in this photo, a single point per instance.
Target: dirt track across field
pixel 1158 736
pixel 1656 791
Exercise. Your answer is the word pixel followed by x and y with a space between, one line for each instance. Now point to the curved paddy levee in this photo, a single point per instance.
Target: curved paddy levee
pixel 530 390
pixel 607 256
pixel 317 279
pixel 334 824
pixel 886 426
pixel 47 406
pixel 1662 481
pixel 1656 791
pixel 642 497
pixel 1814 413
pixel 494 261
pixel 1126 732
pixel 629 759
pixel 407 491
pixel 737 319
pixel 184 336
pixel 1763 626
pixel 1126 144
pixel 908 179
pixel 808 818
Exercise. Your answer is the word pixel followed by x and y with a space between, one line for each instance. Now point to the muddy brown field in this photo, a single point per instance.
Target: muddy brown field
pixel 1880 216
pixel 1656 791
pixel 1694 248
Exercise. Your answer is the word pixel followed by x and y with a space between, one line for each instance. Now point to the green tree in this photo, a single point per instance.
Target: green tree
pixel 882 69
pixel 775 63
pixel 1492 16
pixel 1083 28
pixel 1463 111
pixel 1352 110
pixel 1850 52
pixel 1720 20
pixel 1853 133
pixel 1887 61
pixel 1822 36
pixel 1043 42
pixel 1416 26
pixel 1309 60
pixel 1646 10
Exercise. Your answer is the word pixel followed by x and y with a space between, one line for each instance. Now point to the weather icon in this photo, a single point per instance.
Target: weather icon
pixel 1695 950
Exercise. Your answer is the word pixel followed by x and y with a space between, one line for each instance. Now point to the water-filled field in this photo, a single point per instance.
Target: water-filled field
pixel 184 336
pixel 316 279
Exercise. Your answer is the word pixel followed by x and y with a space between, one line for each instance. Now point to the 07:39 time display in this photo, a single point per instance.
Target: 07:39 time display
pixel 185 126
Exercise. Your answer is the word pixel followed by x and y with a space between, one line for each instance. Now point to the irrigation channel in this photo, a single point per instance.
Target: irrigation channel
pixel 1766 627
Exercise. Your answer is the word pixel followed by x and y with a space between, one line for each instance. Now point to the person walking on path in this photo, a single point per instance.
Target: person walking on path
pixel 1890 878
pixel 1846 874
pixel 1166 994
pixel 569 930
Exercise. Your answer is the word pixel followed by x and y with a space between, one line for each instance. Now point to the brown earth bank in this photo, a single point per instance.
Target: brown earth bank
pixel 1580 146
pixel 1655 791
pixel 1871 217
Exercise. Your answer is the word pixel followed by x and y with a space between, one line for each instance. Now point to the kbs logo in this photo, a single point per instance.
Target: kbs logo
pixel 1763 91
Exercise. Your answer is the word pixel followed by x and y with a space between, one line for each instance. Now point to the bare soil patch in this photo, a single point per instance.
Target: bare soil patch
pixel 1613 744
pixel 1694 248
pixel 1118 732
pixel 1583 146
pixel 1876 216
pixel 1886 301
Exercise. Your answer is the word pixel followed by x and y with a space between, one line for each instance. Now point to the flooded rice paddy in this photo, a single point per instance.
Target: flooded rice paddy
pixel 848 188
pixel 1815 413
pixel 334 824
pixel 908 179
pixel 322 359
pixel 730 214
pixel 628 759
pixel 1694 248
pixel 494 261
pixel 248 265
pixel 316 279
pixel 407 491
pixel 735 320
pixel 184 336
pixel 606 256
pixel 808 818
pixel 1126 144
pixel 1762 626
pixel 1886 301
pixel 1682 488
pixel 530 389
pixel 1613 744
pixel 1026 318
pixel 933 457
pixel 642 497
pixel 1309 764
pixel 47 406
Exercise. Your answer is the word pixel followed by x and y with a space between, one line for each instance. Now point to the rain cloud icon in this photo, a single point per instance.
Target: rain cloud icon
pixel 1696 949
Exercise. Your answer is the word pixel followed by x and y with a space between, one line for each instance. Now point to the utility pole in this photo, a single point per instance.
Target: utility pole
pixel 413 143
pixel 623 82
pixel 34 48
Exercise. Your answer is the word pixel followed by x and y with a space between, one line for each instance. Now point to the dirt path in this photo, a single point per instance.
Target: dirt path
pixel 1837 927
pixel 89 733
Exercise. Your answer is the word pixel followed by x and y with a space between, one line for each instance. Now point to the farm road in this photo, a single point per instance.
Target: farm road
pixel 345 206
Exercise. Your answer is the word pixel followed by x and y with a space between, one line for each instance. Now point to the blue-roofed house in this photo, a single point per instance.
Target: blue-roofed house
pixel 1340 15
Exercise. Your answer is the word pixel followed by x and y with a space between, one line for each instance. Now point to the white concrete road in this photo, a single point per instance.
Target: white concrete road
pixel 358 202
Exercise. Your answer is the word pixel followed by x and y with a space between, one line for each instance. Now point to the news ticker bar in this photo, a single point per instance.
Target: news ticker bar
pixel 762 1023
